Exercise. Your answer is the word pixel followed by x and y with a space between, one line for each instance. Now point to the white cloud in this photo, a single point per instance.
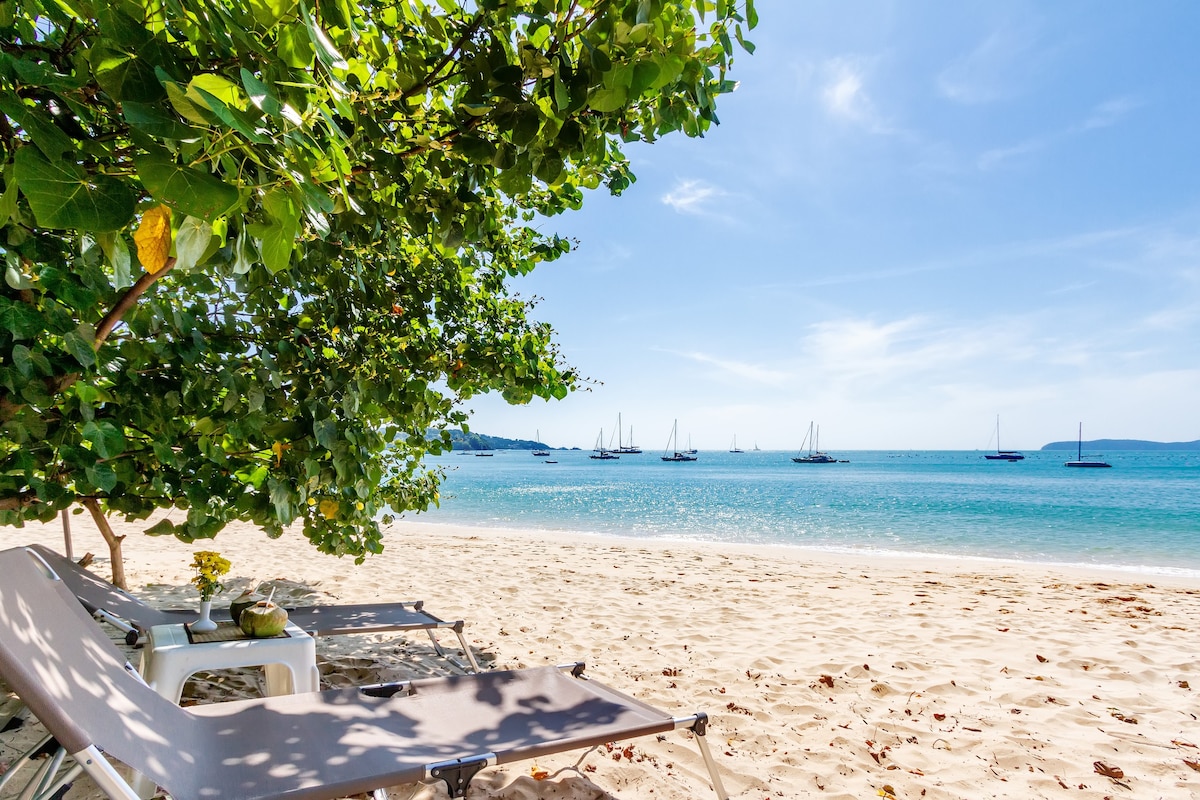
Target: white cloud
pixel 692 197
pixel 844 93
pixel 742 370
pixel 994 70
pixel 1109 112
pixel 1104 115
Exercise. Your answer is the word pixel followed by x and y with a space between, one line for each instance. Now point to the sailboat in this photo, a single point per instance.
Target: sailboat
pixel 691 451
pixel 1002 455
pixel 733 448
pixel 631 448
pixel 539 450
pixel 1079 462
pixel 815 456
pixel 599 453
pixel 676 453
pixel 756 447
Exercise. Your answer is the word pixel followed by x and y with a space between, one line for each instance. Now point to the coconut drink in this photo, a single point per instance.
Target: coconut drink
pixel 263 619
pixel 241 603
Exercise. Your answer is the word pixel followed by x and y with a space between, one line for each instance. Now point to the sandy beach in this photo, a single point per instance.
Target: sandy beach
pixel 826 675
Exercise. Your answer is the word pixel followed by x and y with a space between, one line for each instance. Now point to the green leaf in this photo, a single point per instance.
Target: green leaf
pixel 325 431
pixel 32 73
pixel 191 241
pixel 156 120
pixel 22 360
pixel 195 193
pixel 19 320
pixel 644 75
pixel 225 91
pixel 117 253
pixel 107 441
pixel 101 476
pixel 526 126
pixel 8 206
pixel 295 49
pixel 600 60
pixel 186 108
pixel 268 12
pixel 14 275
pixel 278 239
pixel 62 195
pixel 260 94
pixel 230 115
pixel 81 348
pixel 608 100
pixel 326 52
pixel 164 527
pixel 125 76
pixel 38 125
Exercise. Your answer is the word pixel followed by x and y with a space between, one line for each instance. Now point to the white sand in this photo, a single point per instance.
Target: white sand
pixel 826 676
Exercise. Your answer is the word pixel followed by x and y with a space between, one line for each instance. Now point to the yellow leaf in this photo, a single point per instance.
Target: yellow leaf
pixel 278 449
pixel 329 508
pixel 153 238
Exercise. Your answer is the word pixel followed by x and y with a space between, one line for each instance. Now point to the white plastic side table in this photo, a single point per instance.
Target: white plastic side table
pixel 289 662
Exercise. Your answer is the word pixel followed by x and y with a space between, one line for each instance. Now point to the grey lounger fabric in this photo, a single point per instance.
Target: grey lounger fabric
pixel 322 745
pixel 100 595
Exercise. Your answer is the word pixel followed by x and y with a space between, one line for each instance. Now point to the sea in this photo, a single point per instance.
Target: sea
pixel 1142 515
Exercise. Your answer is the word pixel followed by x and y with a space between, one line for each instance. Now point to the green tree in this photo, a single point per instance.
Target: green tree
pixel 254 249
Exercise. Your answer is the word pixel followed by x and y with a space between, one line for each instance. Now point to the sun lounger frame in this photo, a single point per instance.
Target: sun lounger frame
pixel 134 618
pixel 74 680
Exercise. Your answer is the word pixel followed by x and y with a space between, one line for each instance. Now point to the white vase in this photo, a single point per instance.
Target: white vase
pixel 205 623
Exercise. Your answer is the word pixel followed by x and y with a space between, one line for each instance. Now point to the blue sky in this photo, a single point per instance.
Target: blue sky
pixel 914 216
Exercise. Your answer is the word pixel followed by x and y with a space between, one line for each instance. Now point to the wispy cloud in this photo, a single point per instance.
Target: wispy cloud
pixel 1109 113
pixel 741 370
pixel 1104 115
pixel 995 69
pixel 844 94
pixel 695 197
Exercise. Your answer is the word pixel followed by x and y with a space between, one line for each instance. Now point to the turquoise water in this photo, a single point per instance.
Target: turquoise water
pixel 1144 514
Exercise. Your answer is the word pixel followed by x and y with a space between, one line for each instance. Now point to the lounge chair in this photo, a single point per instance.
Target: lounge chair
pixel 327 744
pixel 135 618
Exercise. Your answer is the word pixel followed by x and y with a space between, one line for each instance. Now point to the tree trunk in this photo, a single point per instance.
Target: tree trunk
pixel 114 542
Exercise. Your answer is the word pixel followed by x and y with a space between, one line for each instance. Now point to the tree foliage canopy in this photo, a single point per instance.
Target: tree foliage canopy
pixel 254 249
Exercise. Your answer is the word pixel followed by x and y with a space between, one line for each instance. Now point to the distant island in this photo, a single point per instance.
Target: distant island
pixel 479 441
pixel 1123 444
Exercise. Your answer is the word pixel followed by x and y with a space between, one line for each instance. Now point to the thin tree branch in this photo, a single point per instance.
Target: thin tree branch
pixel 128 301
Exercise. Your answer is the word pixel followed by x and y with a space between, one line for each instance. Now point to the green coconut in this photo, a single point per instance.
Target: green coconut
pixel 263 619
pixel 241 603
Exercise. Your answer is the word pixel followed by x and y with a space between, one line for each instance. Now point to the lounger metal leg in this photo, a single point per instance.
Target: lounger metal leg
pixel 466 649
pixel 63 783
pixel 718 787
pixel 42 778
pixel 441 651
pixel 104 774
pixel 26 758
pixel 698 725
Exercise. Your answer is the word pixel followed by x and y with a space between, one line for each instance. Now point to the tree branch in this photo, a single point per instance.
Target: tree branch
pixel 458 45
pixel 17 502
pixel 128 301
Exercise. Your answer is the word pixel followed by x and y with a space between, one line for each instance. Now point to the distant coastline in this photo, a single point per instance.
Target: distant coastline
pixel 480 441
pixel 1123 444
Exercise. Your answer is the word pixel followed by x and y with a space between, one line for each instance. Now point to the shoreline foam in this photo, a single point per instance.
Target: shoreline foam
pixel 826 675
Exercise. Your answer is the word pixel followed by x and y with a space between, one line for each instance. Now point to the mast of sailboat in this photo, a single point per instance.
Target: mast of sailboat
pixel 1079 447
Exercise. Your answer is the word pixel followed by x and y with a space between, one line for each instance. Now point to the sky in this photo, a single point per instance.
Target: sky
pixel 915 217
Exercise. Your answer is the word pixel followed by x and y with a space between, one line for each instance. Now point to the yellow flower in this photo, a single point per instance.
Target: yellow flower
pixel 209 568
